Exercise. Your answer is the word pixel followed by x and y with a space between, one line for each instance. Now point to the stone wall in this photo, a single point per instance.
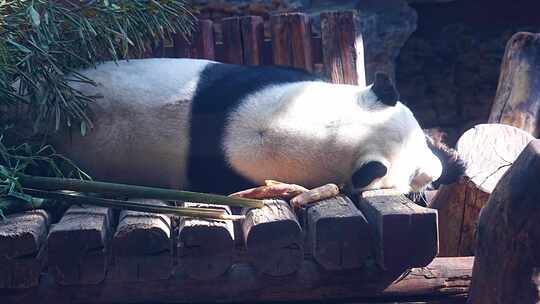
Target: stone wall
pixel 448 70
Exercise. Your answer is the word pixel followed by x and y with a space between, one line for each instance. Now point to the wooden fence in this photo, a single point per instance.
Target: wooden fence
pixel 337 53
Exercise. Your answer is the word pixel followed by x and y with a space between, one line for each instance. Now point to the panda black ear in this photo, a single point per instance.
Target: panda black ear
pixel 385 90
pixel 367 173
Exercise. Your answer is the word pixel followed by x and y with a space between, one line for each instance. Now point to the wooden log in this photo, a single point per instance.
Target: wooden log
pixel 22 237
pixel 291 40
pixel 243 39
pixel 517 102
pixel 337 235
pixel 273 238
pixel 342 48
pixel 232 40
pixel 488 150
pixel 205 247
pixel 77 246
pixel 444 277
pixel 252 28
pixel 142 246
pixel 405 234
pixel 199 45
pixel 508 240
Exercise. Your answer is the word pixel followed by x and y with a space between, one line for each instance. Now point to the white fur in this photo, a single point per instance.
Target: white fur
pixel 308 133
pixel 313 133
pixel 141 132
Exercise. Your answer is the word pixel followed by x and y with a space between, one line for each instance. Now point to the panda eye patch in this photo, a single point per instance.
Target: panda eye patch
pixel 367 173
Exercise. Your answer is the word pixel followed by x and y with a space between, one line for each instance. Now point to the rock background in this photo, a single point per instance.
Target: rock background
pixel 444 54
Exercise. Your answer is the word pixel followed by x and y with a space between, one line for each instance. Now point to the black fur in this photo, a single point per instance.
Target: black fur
pixel 453 166
pixel 367 173
pixel 220 90
pixel 385 90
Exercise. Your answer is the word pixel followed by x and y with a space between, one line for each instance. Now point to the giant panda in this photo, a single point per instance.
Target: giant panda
pixel 214 127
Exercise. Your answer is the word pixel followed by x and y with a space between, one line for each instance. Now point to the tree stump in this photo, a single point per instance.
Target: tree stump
pixel 517 102
pixel 506 267
pixel 488 150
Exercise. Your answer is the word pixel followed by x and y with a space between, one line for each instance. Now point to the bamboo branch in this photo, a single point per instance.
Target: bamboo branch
pixel 54 183
pixel 119 204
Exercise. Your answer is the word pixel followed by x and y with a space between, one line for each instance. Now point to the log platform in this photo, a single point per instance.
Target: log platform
pixel 334 249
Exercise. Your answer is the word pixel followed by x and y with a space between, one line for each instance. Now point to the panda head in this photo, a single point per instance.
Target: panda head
pixel 395 154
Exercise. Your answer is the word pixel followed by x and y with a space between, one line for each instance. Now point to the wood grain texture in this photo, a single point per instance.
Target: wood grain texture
pixel 201 44
pixel 443 277
pixel 273 238
pixel 22 234
pixel 342 48
pixel 338 235
pixel 232 40
pixel 22 238
pixel 252 31
pixel 517 101
pixel 78 245
pixel 142 246
pixel 406 235
pixel 205 247
pixel 508 239
pixel 291 40
pixel 488 150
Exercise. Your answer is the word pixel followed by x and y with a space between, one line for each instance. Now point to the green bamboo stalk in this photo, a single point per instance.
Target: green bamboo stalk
pixel 55 183
pixel 134 206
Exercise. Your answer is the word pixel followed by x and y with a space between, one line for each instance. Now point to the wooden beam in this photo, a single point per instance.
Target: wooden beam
pixel 243 39
pixel 200 45
pixel 508 240
pixel 77 246
pixel 488 150
pixel 142 246
pixel 22 236
pixel 337 234
pixel 342 48
pixel 291 40
pixel 273 238
pixel 252 28
pixel 205 247
pixel 232 40
pixel 517 102
pixel 405 233
pixel 442 278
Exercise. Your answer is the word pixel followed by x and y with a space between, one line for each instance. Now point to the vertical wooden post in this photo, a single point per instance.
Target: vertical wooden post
pixel 243 39
pixel 232 40
pixel 517 102
pixel 342 48
pixel 201 44
pixel 291 40
pixel 252 28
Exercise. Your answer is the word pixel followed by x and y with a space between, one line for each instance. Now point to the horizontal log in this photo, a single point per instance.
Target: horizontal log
pixel 22 237
pixel 443 277
pixel 205 247
pixel 405 233
pixel 142 246
pixel 77 246
pixel 337 234
pixel 273 238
